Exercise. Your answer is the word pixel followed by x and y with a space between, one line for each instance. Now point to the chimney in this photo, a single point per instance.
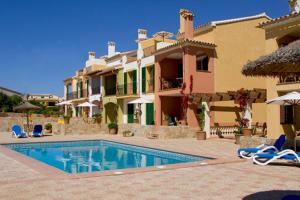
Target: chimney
pixel 186 24
pixel 142 34
pixel 91 55
pixel 111 48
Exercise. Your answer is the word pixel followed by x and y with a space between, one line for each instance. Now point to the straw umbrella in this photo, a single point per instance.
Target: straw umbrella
pixel 26 107
pixel 284 61
pixel 163 35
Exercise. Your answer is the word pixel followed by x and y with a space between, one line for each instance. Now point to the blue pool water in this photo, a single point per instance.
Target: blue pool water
pixel 99 155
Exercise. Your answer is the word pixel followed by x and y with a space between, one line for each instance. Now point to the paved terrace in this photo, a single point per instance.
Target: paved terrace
pixel 230 180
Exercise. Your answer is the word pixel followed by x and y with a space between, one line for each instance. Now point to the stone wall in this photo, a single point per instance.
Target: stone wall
pixel 7 122
pixel 250 142
pixel 78 126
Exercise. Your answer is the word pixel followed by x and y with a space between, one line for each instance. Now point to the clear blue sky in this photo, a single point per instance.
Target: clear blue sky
pixel 44 41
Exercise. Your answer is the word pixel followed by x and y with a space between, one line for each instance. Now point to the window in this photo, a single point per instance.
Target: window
pixel 286 114
pixel 202 63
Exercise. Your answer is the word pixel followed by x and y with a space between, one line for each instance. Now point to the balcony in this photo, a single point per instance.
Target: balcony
pixel 77 95
pixel 127 89
pixel 109 91
pixel 289 79
pixel 174 83
pixel 96 90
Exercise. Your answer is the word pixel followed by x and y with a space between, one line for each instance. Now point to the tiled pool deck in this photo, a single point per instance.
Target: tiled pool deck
pixel 226 177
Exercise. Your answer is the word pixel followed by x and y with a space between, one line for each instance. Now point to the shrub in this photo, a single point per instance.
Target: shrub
pixel 112 125
pixel 48 126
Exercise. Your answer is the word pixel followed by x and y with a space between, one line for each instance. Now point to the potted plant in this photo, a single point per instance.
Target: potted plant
pixel 165 120
pixel 128 133
pixel 243 123
pixel 67 119
pixel 98 118
pixel 242 97
pixel 48 128
pixel 201 134
pixel 113 128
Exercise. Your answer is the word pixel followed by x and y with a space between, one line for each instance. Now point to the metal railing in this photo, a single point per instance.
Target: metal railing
pixel 292 78
pixel 110 91
pixel 96 90
pixel 77 94
pixel 129 90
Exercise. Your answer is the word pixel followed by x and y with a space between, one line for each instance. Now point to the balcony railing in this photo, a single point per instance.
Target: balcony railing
pixel 110 91
pixel 150 88
pixel 288 79
pixel 171 83
pixel 96 90
pixel 77 95
pixel 129 90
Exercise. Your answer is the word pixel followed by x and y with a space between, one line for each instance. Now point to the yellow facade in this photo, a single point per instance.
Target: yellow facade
pixel 276 32
pixel 237 42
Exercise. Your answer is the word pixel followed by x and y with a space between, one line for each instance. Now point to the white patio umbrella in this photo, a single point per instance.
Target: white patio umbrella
pixel 292 98
pixel 140 101
pixel 86 104
pixel 64 103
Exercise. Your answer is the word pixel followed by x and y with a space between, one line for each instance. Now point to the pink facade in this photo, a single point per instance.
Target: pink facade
pixel 173 83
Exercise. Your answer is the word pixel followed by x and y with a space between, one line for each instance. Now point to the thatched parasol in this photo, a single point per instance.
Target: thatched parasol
pixel 284 61
pixel 26 107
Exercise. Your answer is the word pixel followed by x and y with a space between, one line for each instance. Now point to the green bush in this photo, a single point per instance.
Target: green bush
pixel 97 115
pixel 48 126
pixel 112 125
pixel 8 102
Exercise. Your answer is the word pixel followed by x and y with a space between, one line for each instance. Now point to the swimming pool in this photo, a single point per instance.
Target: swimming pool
pixel 99 155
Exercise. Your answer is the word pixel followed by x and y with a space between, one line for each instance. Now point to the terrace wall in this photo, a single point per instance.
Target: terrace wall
pixel 78 126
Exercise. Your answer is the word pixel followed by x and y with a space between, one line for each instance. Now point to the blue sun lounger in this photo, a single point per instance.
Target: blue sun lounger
pixel 249 153
pixel 266 158
pixel 37 131
pixel 18 132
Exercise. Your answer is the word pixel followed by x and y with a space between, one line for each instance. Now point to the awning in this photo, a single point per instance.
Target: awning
pixel 140 101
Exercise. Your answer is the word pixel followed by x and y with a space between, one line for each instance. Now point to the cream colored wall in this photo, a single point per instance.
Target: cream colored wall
pixel 236 44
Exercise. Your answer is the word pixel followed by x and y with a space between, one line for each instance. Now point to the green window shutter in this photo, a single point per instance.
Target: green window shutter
pixel 153 76
pixel 144 80
pixel 81 89
pixel 125 83
pixel 77 89
pixel 87 88
pixel 149 114
pixel 134 81
pixel 130 113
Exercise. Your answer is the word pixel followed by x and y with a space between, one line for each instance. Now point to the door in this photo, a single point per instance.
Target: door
pixel 149 114
pixel 130 113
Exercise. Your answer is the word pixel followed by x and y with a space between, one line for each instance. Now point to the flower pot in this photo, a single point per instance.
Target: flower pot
pixel 237 139
pixel 247 132
pixel 48 130
pixel 113 131
pixel 201 135
pixel 66 120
